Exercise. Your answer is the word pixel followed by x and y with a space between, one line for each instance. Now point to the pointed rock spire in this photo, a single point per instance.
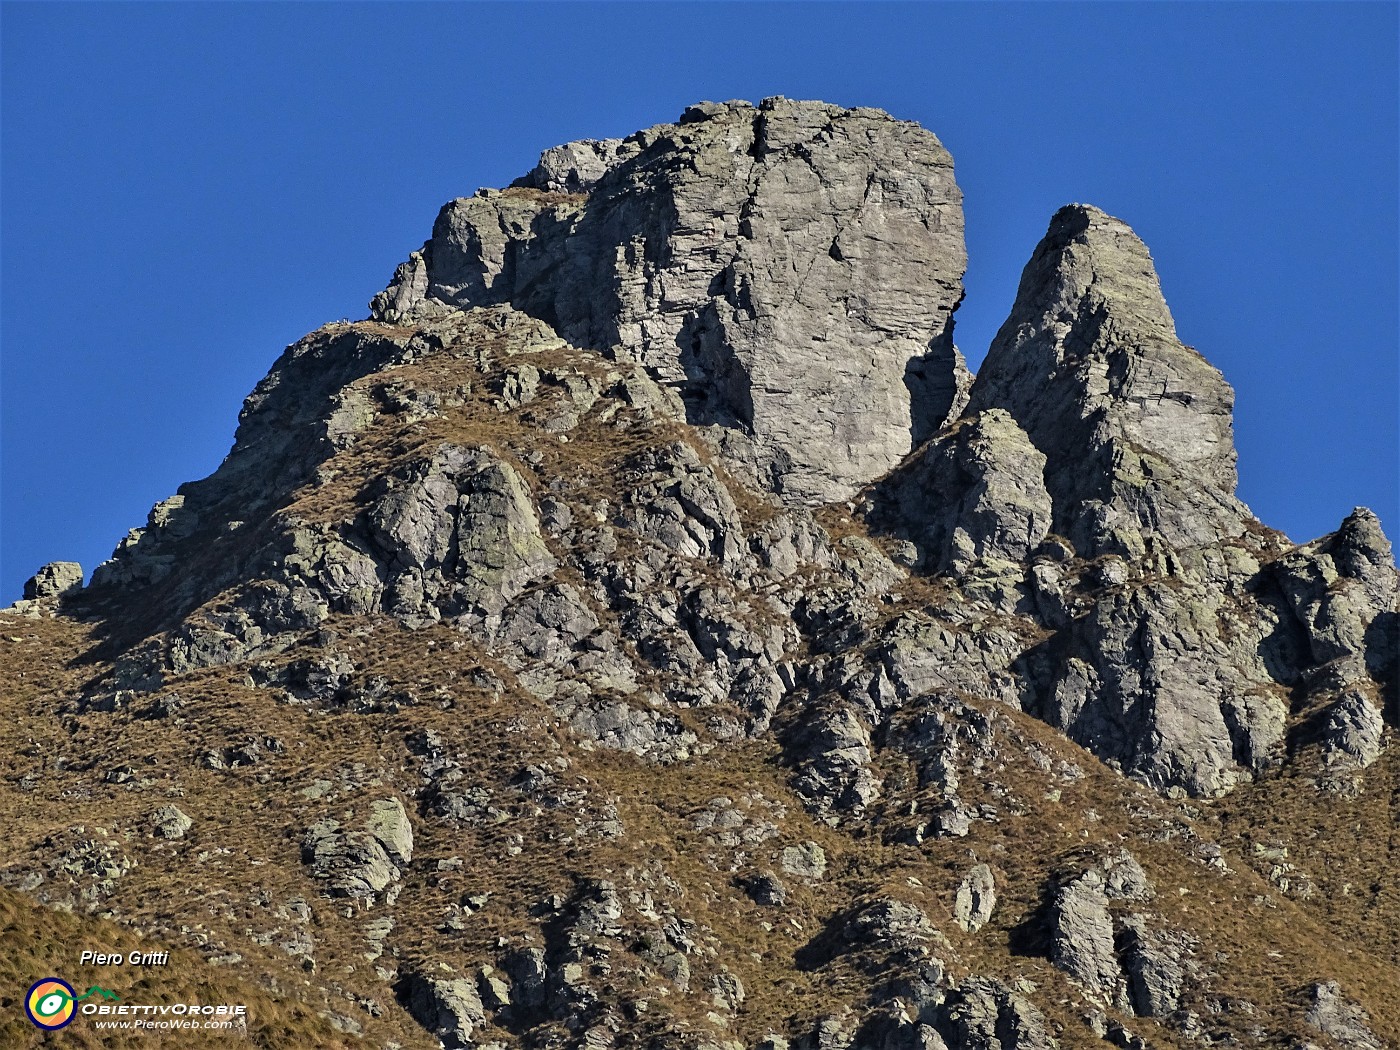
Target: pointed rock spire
pixel 1135 426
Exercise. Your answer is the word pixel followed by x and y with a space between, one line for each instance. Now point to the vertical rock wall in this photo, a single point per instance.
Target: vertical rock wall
pixel 791 269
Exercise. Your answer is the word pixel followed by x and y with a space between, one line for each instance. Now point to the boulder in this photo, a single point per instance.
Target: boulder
pixel 807 860
pixel 171 822
pixel 55 580
pixel 350 863
pixel 389 824
pixel 976 898
pixel 1082 939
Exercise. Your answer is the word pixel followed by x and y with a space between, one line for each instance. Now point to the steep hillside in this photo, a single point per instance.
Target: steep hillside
pixel 644 631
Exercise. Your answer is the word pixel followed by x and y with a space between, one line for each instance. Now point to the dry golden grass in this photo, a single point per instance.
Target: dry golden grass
pixel 38 942
pixel 216 892
pixel 1276 946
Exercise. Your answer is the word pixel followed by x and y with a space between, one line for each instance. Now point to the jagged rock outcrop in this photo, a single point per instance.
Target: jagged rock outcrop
pixel 449 1007
pixel 1341 592
pixel 1083 939
pixel 54 580
pixel 1153 966
pixel 1172 645
pixel 1337 1018
pixel 1090 482
pixel 975 493
pixel 389 824
pixel 1129 962
pixel 171 822
pixel 984 1014
pixel 1135 427
pixel 644 631
pixel 790 268
pixel 46 589
pixel 1148 679
pixel 361 864
pixel 976 898
pixel 1342 589
pixel 458 536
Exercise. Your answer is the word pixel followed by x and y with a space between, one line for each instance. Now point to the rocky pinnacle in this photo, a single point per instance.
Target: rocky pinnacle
pixel 1135 426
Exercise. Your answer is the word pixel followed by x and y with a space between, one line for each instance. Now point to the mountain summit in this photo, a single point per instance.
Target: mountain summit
pixel 643 630
pixel 790 269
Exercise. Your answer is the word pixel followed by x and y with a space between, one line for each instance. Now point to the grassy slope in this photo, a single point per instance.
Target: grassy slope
pixel 206 892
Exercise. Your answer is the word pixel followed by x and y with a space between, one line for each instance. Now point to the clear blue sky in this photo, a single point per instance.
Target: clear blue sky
pixel 189 187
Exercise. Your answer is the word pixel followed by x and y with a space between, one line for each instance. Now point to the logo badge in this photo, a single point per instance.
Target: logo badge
pixel 49 1003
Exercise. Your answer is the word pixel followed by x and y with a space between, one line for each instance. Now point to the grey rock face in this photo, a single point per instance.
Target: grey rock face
pixel 891 925
pixel 1135 427
pixel 985 1014
pixel 976 898
pixel 1153 969
pixel 1124 879
pixel 45 590
pixel 975 493
pixel 54 580
pixel 686 508
pixel 449 1008
pixel 460 531
pixel 351 863
pixel 1332 1015
pixel 171 822
pixel 1352 731
pixel 1147 679
pixel 575 166
pixel 615 725
pixel 1342 591
pixel 389 824
pixel 1082 933
pixel 790 268
pixel 807 860
pixel 837 773
pixel 767 889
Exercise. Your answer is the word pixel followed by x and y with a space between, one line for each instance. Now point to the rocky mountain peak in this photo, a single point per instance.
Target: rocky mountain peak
pixel 1089 255
pixel 1135 426
pixel 790 269
pixel 637 634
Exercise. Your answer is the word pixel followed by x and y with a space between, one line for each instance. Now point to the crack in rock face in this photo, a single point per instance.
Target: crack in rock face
pixel 791 269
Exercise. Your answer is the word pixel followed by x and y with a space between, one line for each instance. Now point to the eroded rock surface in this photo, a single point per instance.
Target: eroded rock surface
pixel 1083 939
pixel 790 268
pixel 645 631
pixel 1135 427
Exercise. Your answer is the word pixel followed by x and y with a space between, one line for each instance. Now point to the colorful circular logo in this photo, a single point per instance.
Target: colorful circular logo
pixel 49 1003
